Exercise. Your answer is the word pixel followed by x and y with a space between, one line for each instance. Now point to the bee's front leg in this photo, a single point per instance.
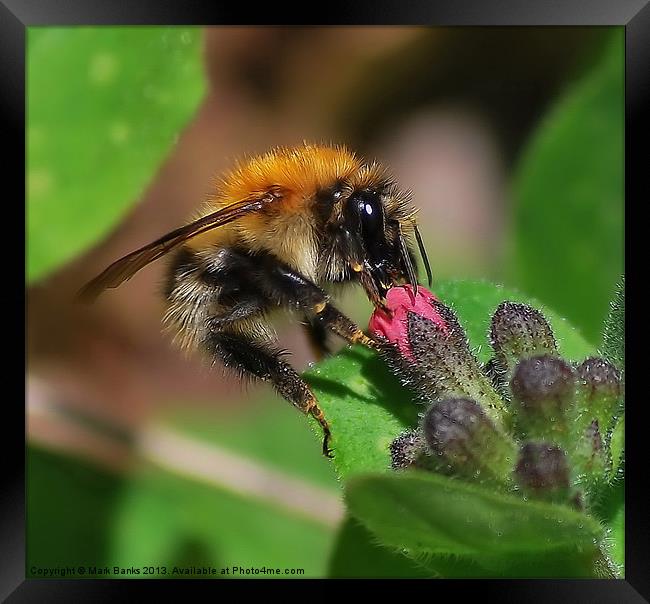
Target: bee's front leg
pixel 332 318
pixel 317 337
pixel 290 288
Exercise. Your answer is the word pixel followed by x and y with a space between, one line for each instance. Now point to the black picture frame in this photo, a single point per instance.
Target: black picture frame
pixel 633 15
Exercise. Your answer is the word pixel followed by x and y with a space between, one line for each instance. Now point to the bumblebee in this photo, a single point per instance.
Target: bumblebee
pixel 279 229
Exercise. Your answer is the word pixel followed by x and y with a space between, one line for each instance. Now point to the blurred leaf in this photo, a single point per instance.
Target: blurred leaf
pixel 433 514
pixel 569 198
pixel 105 104
pixel 160 513
pixel 70 507
pixel 614 334
pixel 270 430
pixel 367 407
pixel 78 514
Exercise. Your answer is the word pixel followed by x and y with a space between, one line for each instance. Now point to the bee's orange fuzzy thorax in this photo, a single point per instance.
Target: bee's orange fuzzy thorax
pixel 286 227
pixel 300 171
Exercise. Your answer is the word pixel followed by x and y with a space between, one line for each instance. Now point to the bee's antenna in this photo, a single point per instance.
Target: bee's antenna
pixel 423 253
pixel 407 261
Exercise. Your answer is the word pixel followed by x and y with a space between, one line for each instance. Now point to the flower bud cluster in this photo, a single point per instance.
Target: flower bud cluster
pixel 528 420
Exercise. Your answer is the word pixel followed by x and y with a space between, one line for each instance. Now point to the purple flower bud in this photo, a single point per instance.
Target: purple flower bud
pixel 444 366
pixel 543 389
pixel 518 332
pixel 599 392
pixel 464 440
pixel 407 449
pixel 600 377
pixel 542 471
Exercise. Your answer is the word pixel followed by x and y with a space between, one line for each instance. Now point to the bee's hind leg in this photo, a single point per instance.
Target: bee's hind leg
pixel 264 361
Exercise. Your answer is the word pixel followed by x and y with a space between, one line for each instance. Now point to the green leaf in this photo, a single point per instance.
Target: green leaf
pixel 105 105
pixel 614 334
pixel 367 407
pixel 609 508
pixel 161 513
pixel 616 539
pixel 433 514
pixel 617 446
pixel 357 554
pixel 569 198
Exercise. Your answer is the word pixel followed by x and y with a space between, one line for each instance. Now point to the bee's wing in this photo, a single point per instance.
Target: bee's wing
pixel 126 267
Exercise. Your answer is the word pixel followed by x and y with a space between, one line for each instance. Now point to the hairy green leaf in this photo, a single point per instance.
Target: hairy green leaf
pixel 433 514
pixel 617 446
pixel 616 539
pixel 614 334
pixel 358 555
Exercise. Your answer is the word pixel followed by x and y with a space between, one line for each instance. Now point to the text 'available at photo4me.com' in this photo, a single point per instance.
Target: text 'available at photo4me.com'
pixel 93 571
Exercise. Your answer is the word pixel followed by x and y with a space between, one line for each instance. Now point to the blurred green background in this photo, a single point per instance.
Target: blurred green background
pixel 510 138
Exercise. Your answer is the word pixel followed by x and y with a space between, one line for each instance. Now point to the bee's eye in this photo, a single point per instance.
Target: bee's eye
pixel 370 212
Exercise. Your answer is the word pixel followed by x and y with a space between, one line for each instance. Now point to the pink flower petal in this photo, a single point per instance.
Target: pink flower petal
pixel 400 301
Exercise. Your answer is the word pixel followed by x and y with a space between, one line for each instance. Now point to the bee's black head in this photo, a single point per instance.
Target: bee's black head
pixel 379 244
pixel 365 228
